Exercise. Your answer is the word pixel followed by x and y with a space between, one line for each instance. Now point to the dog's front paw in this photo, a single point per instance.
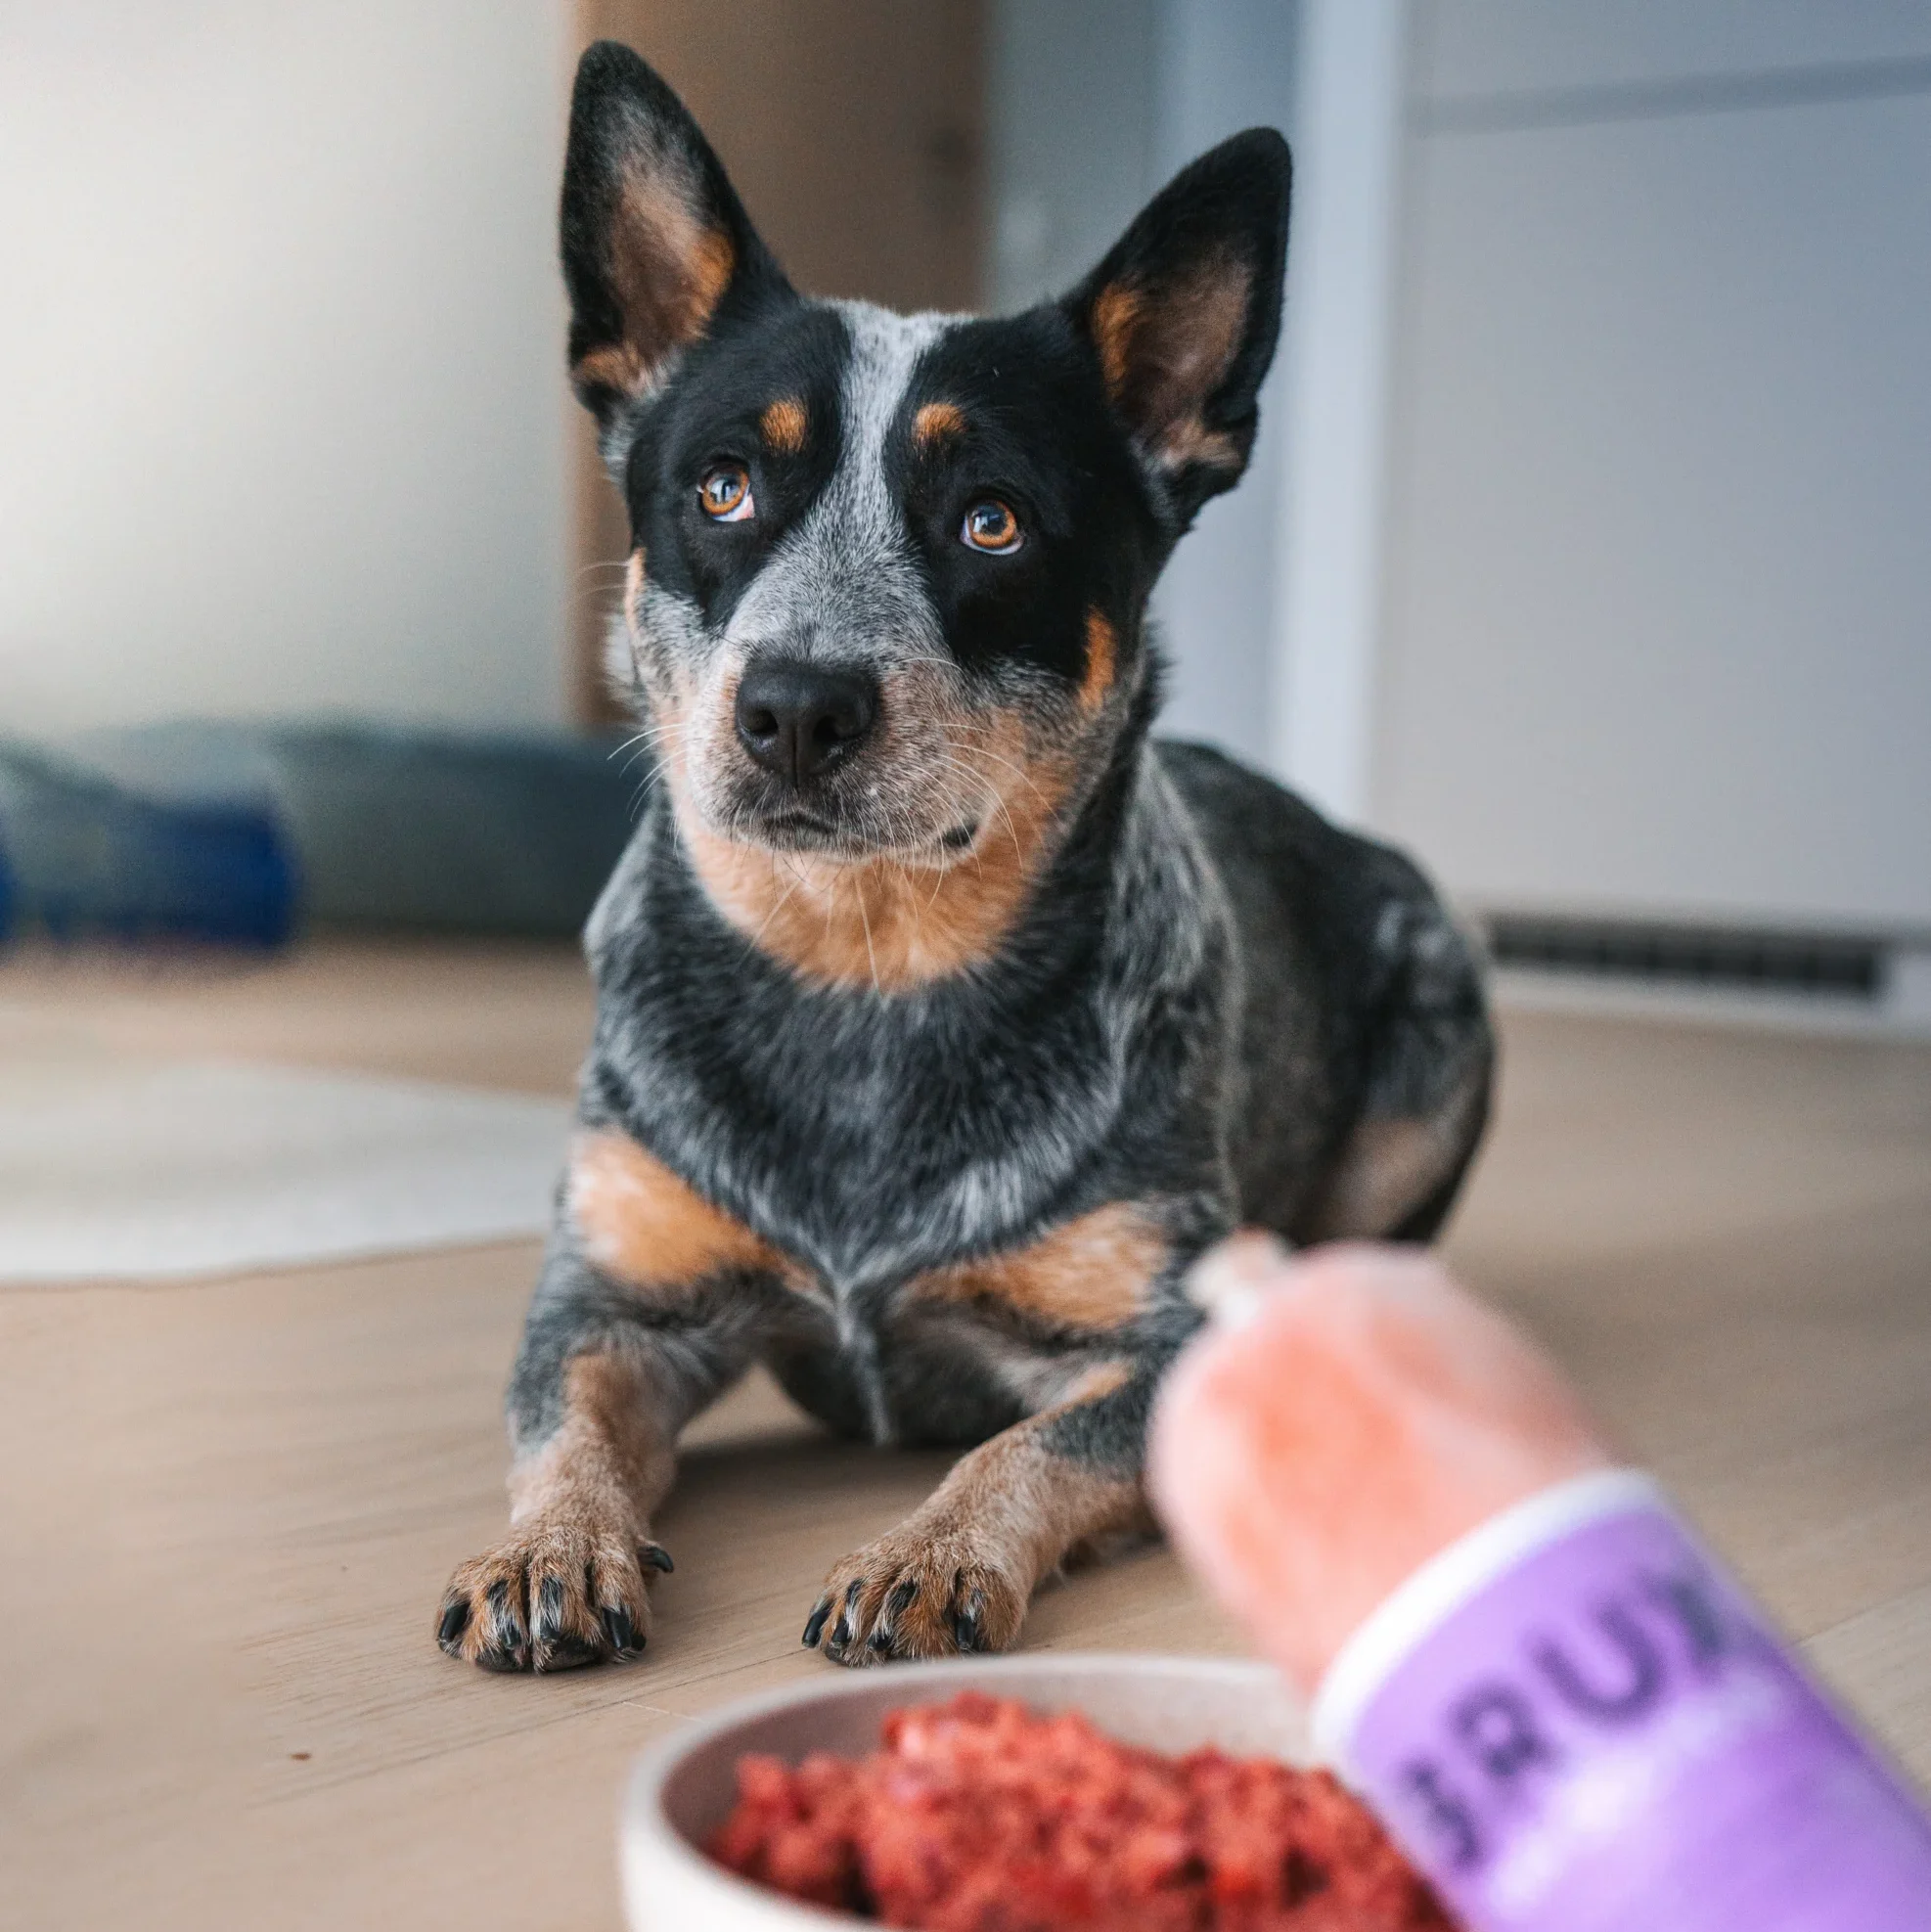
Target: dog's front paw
pixel 913 1594
pixel 556 1593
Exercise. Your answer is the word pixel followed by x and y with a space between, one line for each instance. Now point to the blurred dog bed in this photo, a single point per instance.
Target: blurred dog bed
pixel 247 833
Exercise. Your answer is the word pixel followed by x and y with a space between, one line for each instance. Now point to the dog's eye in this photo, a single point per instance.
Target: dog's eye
pixel 991 525
pixel 725 494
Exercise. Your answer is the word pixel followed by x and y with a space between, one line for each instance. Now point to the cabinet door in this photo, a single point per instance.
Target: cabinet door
pixel 1658 629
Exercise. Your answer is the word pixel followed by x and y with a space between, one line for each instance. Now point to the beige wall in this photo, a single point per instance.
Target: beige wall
pixel 282 419
pixel 1657 617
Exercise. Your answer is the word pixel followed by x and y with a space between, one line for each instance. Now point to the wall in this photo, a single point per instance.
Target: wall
pixel 280 362
pixel 1224 66
pixel 1094 104
pixel 1659 622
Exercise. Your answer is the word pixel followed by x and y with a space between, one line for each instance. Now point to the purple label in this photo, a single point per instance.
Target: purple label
pixel 1609 1736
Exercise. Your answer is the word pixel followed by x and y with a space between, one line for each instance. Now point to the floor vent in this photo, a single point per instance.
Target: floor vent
pixel 1691 955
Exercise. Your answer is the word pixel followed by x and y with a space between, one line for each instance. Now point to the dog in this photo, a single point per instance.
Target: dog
pixel 945 1017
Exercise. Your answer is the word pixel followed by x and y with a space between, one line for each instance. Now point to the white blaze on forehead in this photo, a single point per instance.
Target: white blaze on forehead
pixel 842 585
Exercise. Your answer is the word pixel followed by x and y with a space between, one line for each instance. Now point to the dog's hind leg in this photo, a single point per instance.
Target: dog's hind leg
pixel 1425 1095
pixel 650 1304
pixel 958 1574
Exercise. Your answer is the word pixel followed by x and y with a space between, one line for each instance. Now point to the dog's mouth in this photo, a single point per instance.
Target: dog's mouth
pixel 794 830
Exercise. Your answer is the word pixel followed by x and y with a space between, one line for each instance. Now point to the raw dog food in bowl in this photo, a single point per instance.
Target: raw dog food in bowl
pixel 1118 1837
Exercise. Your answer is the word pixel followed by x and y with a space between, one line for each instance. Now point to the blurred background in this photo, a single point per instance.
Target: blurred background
pixel 1582 550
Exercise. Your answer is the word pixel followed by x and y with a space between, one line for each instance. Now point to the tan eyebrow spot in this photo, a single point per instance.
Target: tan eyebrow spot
pixel 936 419
pixel 1102 649
pixel 783 425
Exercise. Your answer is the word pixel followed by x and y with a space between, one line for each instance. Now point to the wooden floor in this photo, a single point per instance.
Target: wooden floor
pixel 232 1507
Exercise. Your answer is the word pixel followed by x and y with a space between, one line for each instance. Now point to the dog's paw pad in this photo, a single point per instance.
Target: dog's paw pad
pixel 553 1595
pixel 913 1596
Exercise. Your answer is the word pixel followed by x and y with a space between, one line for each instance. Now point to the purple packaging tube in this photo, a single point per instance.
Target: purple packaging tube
pixel 1573 1720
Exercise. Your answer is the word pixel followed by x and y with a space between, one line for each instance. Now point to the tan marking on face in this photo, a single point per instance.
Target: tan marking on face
pixel 651 1231
pixel 1102 649
pixel 936 420
pixel 1092 1272
pixel 894 922
pixel 783 425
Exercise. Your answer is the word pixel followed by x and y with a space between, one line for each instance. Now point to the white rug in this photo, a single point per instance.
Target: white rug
pixel 160 1170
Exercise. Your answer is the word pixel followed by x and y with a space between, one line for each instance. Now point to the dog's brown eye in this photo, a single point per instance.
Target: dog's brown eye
pixel 726 493
pixel 991 525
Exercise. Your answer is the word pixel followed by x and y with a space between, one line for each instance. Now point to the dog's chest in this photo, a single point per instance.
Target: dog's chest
pixel 870 1154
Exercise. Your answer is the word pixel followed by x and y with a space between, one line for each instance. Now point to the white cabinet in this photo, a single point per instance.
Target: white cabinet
pixel 1656 632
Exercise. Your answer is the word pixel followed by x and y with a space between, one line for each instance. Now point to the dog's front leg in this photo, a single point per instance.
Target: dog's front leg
pixel 959 1573
pixel 650 1304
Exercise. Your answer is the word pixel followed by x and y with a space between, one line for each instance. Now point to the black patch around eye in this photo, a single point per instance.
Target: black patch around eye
pixel 1035 433
pixel 709 417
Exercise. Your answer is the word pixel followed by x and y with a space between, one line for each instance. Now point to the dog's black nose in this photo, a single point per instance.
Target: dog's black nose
pixel 797 719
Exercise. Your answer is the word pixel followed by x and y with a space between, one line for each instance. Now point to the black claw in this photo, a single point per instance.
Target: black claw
pixel 965 1632
pixel 550 1611
pixel 455 1621
pixel 844 1630
pixel 815 1623
pixel 621 1631
pixel 655 1556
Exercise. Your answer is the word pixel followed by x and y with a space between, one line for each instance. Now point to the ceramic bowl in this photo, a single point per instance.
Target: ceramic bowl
pixel 684 1788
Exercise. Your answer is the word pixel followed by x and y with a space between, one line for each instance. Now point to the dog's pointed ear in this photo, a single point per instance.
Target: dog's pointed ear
pixel 658 250
pixel 1184 312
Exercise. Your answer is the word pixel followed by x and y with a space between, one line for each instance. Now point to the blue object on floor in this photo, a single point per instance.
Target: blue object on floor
pixel 82 859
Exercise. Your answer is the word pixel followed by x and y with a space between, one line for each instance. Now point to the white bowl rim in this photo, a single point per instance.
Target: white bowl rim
pixel 645 1828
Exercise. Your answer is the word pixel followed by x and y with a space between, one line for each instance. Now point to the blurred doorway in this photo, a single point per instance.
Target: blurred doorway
pixel 855 132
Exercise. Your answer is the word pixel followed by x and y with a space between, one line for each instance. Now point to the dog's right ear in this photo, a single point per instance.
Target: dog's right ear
pixel 658 250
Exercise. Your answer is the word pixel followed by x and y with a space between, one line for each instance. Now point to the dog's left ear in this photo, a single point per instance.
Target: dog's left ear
pixel 1184 313
pixel 657 249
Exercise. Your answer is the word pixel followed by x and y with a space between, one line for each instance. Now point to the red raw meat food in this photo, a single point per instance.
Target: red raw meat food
pixel 983 1815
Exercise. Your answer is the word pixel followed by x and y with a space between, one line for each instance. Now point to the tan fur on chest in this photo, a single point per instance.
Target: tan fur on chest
pixel 1092 1272
pixel 643 1226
